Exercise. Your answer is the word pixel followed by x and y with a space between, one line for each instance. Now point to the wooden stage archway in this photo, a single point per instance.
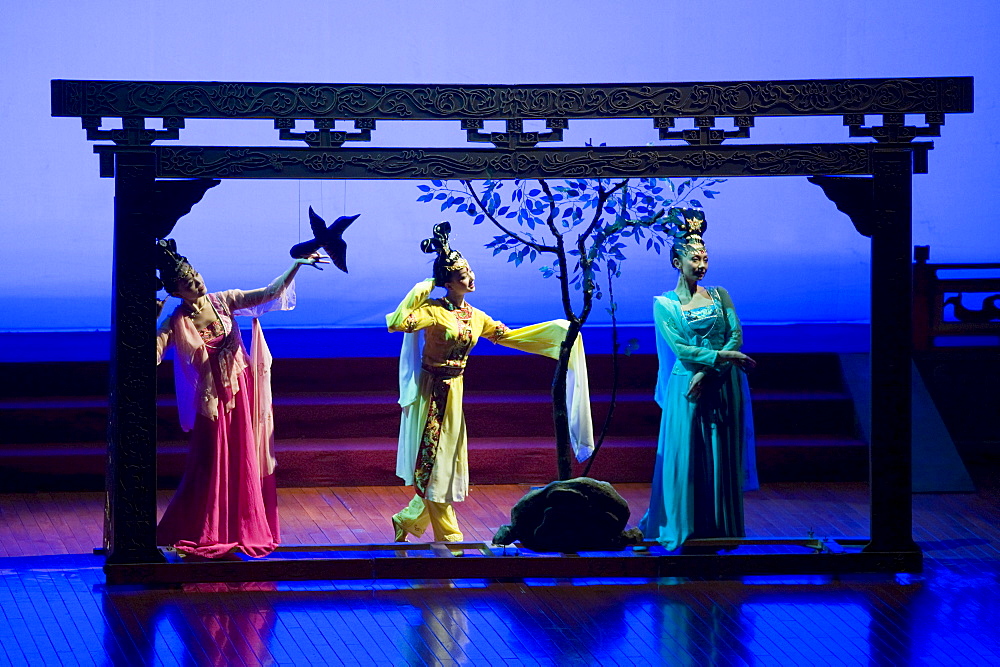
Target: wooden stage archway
pixel 879 202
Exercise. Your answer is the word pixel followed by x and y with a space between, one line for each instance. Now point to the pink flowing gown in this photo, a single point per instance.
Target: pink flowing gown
pixel 225 502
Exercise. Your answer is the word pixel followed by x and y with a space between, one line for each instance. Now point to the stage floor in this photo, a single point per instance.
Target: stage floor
pixel 946 525
pixel 55 609
pixel 37 524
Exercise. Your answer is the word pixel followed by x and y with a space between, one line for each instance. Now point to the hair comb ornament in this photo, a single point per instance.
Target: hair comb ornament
pixel 688 226
pixel 447 260
pixel 171 265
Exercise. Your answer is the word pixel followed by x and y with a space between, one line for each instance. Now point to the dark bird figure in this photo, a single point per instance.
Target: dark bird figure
pixel 328 238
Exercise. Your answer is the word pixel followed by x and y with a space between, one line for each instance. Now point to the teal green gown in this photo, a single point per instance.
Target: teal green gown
pixel 705 452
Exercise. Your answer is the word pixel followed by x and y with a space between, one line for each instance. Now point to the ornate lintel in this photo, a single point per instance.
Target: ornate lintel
pixel 194 99
pixel 472 163
pixel 365 103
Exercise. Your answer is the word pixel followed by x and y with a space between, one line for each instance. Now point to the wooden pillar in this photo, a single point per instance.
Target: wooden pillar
pixel 891 340
pixel 130 507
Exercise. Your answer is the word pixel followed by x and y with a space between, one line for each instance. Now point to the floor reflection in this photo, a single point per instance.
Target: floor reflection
pixel 211 624
pixel 57 610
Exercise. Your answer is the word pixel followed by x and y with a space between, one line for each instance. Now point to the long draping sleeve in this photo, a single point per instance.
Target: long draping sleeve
pixel 546 339
pixel 193 382
pixel 493 330
pixel 734 341
pixel 279 295
pixel 734 329
pixel 411 314
pixel 409 317
pixel 254 303
pixel 164 338
pixel 411 423
pixel 668 327
pixel 263 418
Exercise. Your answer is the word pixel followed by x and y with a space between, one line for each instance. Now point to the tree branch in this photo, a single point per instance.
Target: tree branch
pixel 551 220
pixel 561 254
pixel 585 260
pixel 602 197
pixel 540 247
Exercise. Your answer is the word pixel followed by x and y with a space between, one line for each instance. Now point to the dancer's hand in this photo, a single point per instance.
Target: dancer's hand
pixel 314 260
pixel 738 358
pixel 694 386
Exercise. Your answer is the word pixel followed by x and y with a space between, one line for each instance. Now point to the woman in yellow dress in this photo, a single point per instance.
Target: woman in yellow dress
pixel 433 451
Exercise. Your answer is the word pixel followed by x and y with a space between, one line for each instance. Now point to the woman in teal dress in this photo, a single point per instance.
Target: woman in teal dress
pixel 704 455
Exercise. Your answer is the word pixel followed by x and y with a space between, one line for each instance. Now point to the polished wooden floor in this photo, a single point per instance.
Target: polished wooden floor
pixel 55 608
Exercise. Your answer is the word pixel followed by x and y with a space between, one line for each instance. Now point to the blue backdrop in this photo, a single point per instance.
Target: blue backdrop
pixel 782 249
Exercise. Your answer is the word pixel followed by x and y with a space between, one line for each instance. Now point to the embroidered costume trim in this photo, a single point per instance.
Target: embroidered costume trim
pixel 431 437
pixel 409 323
pixel 499 333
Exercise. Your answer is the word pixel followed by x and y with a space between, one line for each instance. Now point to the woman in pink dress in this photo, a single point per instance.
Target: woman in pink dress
pixel 226 501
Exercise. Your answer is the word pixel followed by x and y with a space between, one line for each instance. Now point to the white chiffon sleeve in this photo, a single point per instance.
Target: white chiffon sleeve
pixel 260 363
pixel 546 339
pixel 411 424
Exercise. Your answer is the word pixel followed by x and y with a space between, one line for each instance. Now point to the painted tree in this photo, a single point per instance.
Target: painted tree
pixel 585 226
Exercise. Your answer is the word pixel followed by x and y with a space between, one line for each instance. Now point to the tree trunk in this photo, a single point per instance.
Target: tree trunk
pixel 560 414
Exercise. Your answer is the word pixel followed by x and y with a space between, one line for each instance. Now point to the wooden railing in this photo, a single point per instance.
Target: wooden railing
pixel 933 294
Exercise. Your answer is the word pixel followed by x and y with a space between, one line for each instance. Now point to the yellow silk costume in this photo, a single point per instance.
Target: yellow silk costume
pixel 433 445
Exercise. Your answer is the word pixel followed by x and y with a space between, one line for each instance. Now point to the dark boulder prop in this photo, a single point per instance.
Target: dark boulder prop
pixel 580 514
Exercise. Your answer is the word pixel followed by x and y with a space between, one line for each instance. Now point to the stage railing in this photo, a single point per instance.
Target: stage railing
pixel 932 294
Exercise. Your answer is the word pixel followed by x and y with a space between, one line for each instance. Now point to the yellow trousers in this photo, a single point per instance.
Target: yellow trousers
pixel 441 516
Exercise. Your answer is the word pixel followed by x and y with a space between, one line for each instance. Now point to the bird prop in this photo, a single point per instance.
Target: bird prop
pixel 329 238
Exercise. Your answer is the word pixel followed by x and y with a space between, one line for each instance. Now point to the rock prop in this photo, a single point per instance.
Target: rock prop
pixel 580 514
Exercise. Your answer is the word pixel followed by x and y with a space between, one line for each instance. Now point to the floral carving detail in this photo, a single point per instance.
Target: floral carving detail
pixel 121 98
pixel 325 162
pixel 191 101
pixel 187 162
pixel 147 95
pixel 281 102
pixel 231 98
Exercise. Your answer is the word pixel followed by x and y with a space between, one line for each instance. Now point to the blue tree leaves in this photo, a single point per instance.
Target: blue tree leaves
pixel 641 211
